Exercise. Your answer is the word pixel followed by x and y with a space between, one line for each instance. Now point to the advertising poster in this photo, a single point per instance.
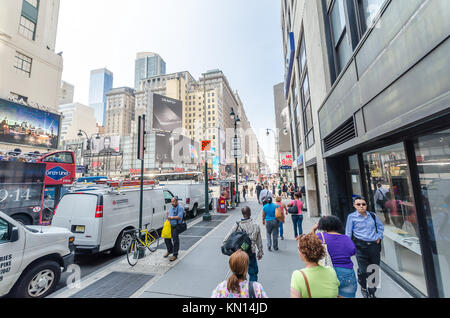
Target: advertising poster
pixel 222 147
pixel 167 113
pixel 25 125
pixel 105 145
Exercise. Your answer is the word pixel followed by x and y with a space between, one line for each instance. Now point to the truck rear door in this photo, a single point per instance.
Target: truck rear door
pixel 82 214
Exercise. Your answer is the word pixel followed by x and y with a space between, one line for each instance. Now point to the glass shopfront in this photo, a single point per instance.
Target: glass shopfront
pixel 433 163
pixel 390 195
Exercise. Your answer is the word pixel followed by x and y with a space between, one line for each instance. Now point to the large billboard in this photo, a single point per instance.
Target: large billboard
pixel 28 126
pixel 105 145
pixel 167 113
pixel 176 148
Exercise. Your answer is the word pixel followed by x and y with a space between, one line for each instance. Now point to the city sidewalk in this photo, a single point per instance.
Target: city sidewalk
pixel 199 272
pixel 201 266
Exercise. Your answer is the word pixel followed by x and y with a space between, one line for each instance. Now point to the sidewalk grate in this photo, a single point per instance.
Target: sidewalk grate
pixel 114 285
pixel 197 231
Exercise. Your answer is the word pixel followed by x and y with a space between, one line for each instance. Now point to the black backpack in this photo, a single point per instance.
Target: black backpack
pixel 238 240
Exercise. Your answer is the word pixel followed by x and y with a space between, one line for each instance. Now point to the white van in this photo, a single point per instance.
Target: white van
pixel 98 218
pixel 192 196
pixel 31 258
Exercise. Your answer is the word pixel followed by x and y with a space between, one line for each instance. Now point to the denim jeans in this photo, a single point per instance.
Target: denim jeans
pixel 253 268
pixel 348 284
pixel 297 220
pixel 281 229
pixel 272 233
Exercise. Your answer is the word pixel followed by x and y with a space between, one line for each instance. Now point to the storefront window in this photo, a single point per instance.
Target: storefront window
pixel 391 197
pixel 354 176
pixel 433 163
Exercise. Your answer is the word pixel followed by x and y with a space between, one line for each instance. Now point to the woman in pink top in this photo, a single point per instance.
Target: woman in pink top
pixel 297 219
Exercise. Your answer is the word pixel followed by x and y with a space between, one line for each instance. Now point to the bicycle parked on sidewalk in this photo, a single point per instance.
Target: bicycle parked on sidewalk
pixel 141 239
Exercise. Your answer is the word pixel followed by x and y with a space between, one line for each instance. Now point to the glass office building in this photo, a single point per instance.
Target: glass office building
pixel 148 65
pixel 100 84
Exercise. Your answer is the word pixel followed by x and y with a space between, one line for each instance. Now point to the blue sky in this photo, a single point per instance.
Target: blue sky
pixel 240 37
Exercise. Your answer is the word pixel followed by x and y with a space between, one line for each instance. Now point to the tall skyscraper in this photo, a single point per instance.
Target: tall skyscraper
pixel 147 65
pixel 101 83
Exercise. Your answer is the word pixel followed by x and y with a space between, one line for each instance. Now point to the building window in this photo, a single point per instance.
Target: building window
pixel 34 3
pixel 308 126
pixel 27 28
pixel 368 11
pixel 23 64
pixel 340 38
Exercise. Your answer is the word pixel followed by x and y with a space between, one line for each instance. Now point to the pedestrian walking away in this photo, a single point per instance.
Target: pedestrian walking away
pixel 254 232
pixel 314 281
pixel 237 285
pixel 271 223
pixel 366 231
pixel 280 205
pixel 380 199
pixel 341 249
pixel 175 215
pixel 244 192
pixel 297 219
pixel 258 192
pixel 264 195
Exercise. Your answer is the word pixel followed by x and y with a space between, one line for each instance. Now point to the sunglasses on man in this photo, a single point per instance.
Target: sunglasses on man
pixel 360 204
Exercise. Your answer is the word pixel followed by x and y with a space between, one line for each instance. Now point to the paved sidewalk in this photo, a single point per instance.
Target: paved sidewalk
pixel 205 266
pixel 201 266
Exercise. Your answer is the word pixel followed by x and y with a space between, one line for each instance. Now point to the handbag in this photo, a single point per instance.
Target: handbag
pixel 293 209
pixel 167 230
pixel 326 260
pixel 279 214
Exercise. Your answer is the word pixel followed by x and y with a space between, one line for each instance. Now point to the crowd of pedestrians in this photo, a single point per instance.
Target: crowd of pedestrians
pixel 326 251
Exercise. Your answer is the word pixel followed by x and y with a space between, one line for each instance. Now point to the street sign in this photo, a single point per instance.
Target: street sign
pixel 236 143
pixel 206 145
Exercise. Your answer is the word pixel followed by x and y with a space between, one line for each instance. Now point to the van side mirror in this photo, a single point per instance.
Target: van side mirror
pixel 14 234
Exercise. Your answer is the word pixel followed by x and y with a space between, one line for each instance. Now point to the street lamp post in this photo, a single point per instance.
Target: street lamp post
pixel 88 144
pixel 207 215
pixel 236 119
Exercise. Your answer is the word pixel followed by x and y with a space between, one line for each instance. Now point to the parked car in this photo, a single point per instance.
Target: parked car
pixel 192 196
pixel 31 258
pixel 99 217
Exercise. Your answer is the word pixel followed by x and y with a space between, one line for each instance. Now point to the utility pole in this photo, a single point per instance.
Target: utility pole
pixel 207 215
pixel 141 154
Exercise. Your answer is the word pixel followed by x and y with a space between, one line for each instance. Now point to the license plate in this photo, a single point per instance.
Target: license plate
pixel 79 229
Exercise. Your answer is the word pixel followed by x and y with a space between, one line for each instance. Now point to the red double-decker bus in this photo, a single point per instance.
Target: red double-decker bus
pixel 29 191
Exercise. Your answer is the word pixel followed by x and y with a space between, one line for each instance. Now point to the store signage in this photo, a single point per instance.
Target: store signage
pixel 286 161
pixel 206 145
pixel 300 160
pixel 57 173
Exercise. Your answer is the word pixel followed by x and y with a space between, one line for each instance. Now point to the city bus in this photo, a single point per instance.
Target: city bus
pixel 174 177
pixel 29 191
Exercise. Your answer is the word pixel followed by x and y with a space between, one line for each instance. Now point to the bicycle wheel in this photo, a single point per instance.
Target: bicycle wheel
pixel 152 240
pixel 133 252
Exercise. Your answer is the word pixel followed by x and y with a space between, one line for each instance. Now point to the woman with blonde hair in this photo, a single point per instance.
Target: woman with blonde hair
pixel 314 281
pixel 237 285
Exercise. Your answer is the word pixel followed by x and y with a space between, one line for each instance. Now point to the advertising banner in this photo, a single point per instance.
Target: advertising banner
pixel 105 145
pixel 29 126
pixel 286 161
pixel 176 148
pixel 167 113
pixel 222 147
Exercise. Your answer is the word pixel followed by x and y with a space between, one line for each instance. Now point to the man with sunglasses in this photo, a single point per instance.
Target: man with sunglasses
pixel 366 231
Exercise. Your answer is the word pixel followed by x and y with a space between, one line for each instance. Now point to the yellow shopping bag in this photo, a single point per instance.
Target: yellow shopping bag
pixel 167 230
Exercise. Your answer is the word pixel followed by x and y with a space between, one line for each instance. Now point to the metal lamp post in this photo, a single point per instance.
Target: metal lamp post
pixel 88 143
pixel 236 119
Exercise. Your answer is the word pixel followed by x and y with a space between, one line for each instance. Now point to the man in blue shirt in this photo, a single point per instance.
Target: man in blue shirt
pixel 366 231
pixel 271 223
pixel 175 215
